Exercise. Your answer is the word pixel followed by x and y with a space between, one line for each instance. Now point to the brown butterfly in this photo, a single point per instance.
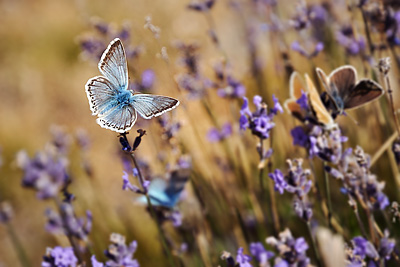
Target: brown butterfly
pixel 317 112
pixel 345 91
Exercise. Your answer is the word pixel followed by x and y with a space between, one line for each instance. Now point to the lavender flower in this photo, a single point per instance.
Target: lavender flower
pixel 59 257
pixel 325 144
pixel 260 253
pixel 396 150
pixel 296 182
pixel 259 122
pixel 146 82
pixel 234 89
pixel 93 44
pixel 169 127
pixel 311 51
pixel 68 223
pixel 126 184
pixel 358 182
pixel 214 135
pixel 242 259
pixel 118 253
pixel 291 251
pixel 352 44
pixel 45 173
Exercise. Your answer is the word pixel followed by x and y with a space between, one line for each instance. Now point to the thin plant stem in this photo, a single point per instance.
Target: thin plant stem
pixel 360 223
pixel 153 214
pixel 314 245
pixel 390 95
pixel 22 257
pixel 328 197
pixel 275 214
pixel 367 32
pixel 71 240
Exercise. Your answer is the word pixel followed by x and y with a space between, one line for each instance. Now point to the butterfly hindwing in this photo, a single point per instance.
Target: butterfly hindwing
pixel 113 64
pixel 149 106
pixel 365 91
pixel 120 119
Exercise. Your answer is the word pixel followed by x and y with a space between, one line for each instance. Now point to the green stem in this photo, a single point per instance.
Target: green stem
pixel 328 197
pixel 22 257
pixel 153 214
pixel 314 244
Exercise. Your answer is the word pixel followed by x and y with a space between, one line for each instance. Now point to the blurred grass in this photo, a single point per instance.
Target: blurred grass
pixel 42 78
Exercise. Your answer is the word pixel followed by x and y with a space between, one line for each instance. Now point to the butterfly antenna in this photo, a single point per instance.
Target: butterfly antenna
pixel 352 119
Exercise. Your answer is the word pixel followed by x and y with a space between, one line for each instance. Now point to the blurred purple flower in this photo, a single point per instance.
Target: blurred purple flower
pixel 303 101
pixel 279 181
pixel 325 144
pixel 300 138
pixel 291 251
pixel 146 82
pixel 242 259
pixel 59 257
pixel 318 47
pixel 118 253
pixel 234 89
pixel 358 182
pixel 260 253
pixel 364 248
pixel 68 223
pixel 352 44
pixel 396 150
pixel 170 128
pixel 214 135
pixel 45 173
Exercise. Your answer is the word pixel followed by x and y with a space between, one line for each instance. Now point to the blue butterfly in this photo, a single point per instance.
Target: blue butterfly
pixel 112 101
pixel 164 193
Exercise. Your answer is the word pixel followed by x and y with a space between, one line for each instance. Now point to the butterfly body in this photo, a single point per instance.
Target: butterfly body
pixel 110 99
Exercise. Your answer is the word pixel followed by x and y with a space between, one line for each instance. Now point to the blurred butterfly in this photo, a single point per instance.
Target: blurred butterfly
pixel 112 101
pixel 345 92
pixel 166 193
pixel 312 109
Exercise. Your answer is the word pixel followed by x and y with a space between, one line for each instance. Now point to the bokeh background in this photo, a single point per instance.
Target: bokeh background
pixel 44 69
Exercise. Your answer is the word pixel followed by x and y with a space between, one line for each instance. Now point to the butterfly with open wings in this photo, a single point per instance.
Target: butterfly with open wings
pixel 344 91
pixel 110 99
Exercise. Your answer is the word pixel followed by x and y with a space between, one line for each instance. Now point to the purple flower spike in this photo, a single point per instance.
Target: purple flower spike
pixel 59 257
pixel 260 253
pixel 45 173
pixel 242 259
pixel 279 180
pixel 259 122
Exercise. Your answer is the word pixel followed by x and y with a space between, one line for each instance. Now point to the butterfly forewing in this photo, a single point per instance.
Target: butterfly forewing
pixel 119 119
pixel 365 91
pixel 113 64
pixel 342 79
pixel 149 106
pixel 321 113
pixel 99 91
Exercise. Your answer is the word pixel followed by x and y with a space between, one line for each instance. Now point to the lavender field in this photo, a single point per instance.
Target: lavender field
pixel 248 133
